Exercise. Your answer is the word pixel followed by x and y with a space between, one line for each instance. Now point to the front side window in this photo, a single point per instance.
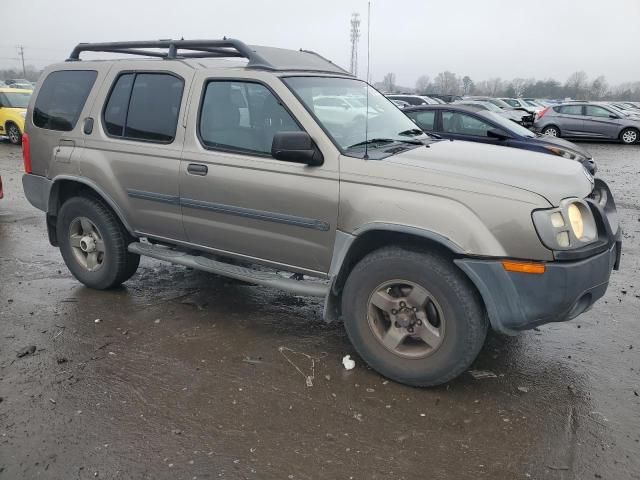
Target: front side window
pixel 425 120
pixel 144 106
pixel 62 98
pixel 15 99
pixel 594 111
pixel 371 117
pixel 243 116
pixel 462 124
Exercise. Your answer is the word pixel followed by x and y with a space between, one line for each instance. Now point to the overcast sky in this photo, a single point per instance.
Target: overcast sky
pixel 479 38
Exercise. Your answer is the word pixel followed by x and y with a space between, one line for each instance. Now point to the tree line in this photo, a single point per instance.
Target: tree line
pixel 578 87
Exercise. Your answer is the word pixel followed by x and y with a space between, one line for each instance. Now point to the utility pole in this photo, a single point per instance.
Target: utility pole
pixel 355 36
pixel 21 53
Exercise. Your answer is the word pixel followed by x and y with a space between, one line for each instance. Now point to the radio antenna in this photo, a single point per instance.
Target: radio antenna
pixel 366 122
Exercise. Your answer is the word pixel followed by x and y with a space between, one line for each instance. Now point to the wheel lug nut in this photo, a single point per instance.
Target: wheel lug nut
pixel 410 329
pixel 394 311
pixel 415 309
pixel 402 304
pixel 419 322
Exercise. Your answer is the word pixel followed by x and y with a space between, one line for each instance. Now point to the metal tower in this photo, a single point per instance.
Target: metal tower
pixel 355 36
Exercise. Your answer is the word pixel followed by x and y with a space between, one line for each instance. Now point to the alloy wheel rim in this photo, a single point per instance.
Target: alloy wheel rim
pixel 551 132
pixel 14 134
pixel 406 319
pixel 87 244
pixel 629 137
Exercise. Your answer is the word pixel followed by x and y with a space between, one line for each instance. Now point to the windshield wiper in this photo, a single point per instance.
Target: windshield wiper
pixel 372 140
pixel 412 132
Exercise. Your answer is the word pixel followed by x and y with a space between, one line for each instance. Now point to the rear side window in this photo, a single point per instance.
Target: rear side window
pixel 62 98
pixel 571 109
pixel 144 106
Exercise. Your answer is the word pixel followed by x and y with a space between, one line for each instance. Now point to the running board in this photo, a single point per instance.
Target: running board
pixel 268 279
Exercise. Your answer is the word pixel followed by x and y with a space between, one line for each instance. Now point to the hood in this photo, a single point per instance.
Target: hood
pixel 554 178
pixel 561 143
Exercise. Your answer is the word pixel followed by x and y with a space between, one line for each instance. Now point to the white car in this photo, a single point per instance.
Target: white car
pixel 341 109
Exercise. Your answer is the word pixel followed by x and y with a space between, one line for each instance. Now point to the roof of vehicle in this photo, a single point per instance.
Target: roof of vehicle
pixel 441 106
pixel 259 57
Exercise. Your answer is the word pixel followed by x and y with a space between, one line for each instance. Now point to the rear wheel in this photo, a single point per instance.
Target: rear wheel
pixel 551 130
pixel 94 243
pixel 14 134
pixel 413 316
pixel 629 136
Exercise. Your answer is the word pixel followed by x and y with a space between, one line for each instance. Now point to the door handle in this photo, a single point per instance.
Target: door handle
pixel 197 169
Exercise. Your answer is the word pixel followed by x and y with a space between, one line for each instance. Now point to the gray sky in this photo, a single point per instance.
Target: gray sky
pixel 480 38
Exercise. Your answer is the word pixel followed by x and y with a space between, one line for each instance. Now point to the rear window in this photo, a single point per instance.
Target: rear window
pixel 144 106
pixel 62 98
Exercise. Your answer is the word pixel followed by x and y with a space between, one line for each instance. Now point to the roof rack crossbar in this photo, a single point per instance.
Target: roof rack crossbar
pixel 227 47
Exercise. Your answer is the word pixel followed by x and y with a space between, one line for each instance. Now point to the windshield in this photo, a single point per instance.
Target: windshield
pixel 346 125
pixel 489 106
pixel 15 99
pixel 509 125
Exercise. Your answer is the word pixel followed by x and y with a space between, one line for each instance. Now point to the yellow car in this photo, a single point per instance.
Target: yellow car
pixel 13 108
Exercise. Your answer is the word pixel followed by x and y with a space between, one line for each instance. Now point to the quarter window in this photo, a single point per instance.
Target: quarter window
pixel 144 106
pixel 242 116
pixel 62 98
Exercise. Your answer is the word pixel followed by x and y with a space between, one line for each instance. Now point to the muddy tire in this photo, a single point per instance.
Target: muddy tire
pixel 629 136
pixel 13 133
pixel 413 316
pixel 93 243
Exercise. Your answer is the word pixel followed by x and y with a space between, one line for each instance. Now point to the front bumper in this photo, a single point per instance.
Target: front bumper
pixel 569 286
pixel 520 301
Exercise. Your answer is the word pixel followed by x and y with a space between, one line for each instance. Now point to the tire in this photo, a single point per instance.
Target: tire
pixel 13 133
pixel 551 130
pixel 629 136
pixel 461 312
pixel 109 264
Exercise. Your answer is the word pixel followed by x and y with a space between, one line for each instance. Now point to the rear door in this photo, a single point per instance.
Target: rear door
pixel 133 151
pixel 598 122
pixel 570 119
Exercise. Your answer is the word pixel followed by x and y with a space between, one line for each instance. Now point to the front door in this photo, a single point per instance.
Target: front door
pixel 598 122
pixel 237 199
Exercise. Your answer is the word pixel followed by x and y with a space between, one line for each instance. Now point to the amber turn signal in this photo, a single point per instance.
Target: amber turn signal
pixel 524 267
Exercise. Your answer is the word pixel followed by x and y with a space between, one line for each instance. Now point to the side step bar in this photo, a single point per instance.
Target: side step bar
pixel 258 277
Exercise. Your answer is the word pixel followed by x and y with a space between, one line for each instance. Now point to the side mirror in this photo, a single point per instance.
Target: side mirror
pixel 611 115
pixel 297 147
pixel 495 133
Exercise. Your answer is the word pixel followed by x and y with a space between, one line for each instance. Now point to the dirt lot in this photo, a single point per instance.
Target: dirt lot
pixel 183 375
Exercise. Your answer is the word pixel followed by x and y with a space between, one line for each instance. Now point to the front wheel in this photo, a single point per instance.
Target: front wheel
pixel 629 136
pixel 93 243
pixel 14 134
pixel 413 316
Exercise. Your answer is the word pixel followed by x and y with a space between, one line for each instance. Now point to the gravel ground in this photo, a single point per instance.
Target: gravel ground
pixel 184 375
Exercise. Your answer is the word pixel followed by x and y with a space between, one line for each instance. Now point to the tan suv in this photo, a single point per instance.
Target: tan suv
pixel 226 158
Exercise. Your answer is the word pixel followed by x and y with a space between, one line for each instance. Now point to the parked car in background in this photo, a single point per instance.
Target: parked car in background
pixel 466 122
pixel 445 98
pixel 523 104
pixel 338 109
pixel 412 99
pixel 400 103
pixel 13 108
pixel 19 83
pixel 623 109
pixel 588 120
pixel 517 116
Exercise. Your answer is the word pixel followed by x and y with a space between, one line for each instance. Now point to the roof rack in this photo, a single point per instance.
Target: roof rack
pixel 266 58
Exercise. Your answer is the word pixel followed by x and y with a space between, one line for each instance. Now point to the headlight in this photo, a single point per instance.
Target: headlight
pixel 569 226
pixel 23 114
pixel 563 153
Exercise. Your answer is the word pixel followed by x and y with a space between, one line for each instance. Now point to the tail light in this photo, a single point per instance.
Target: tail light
pixel 26 153
pixel 542 112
